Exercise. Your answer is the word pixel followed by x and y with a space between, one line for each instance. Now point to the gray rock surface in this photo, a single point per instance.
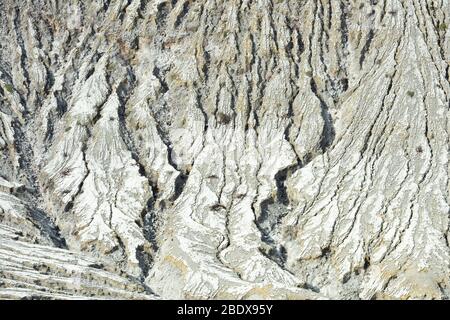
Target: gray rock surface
pixel 231 149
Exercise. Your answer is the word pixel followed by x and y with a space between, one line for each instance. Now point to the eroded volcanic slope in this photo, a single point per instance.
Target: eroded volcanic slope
pixel 224 149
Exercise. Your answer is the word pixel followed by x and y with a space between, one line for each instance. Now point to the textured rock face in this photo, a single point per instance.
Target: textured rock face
pixel 225 149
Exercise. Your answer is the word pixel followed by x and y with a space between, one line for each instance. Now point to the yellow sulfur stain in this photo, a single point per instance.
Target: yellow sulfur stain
pixel 177 263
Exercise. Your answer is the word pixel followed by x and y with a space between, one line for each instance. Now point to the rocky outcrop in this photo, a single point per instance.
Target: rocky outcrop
pixel 224 149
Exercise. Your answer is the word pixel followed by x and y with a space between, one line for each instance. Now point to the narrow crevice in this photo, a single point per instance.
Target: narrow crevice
pixel 48 137
pixel 145 261
pixel 160 77
pixel 46 226
pixel 328 132
pixel 124 10
pixel 280 180
pixel 182 14
pixel 180 183
pixel 26 156
pixel 309 286
pixel 366 47
pixel 23 57
pixel 149 214
pixel 84 148
pixel 271 213
pixel 161 14
pixel 61 104
pixel 70 204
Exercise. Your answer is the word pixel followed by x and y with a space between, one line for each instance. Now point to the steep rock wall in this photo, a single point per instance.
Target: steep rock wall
pixel 227 149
